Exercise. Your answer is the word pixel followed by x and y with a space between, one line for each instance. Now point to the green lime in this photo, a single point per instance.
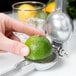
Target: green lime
pixel 40 47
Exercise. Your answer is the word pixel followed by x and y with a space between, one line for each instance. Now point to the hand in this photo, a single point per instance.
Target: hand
pixel 8 41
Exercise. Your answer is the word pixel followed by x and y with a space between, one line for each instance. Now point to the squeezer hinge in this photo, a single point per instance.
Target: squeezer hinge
pixel 58 48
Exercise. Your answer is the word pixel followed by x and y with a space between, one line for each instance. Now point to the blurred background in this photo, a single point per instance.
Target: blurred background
pixel 5 5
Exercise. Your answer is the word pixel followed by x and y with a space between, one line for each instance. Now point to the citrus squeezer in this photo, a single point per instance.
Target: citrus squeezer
pixel 58 27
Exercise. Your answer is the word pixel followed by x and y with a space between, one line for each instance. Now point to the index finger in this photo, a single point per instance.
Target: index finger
pixel 18 26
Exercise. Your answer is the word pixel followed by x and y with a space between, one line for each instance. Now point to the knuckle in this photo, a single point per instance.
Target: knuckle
pixel 16 47
pixel 13 47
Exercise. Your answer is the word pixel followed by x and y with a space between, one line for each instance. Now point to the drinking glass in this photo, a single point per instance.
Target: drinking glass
pixel 31 12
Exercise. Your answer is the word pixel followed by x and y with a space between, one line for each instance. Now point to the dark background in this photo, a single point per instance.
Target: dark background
pixel 5 5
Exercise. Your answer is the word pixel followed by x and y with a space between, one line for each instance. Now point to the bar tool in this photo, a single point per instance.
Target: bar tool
pixel 59 26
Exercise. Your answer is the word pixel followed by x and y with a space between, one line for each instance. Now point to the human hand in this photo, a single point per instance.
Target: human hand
pixel 8 41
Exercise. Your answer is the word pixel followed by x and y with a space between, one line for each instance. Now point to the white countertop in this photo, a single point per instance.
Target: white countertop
pixel 65 67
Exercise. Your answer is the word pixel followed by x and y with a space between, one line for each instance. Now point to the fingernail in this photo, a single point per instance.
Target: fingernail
pixel 24 51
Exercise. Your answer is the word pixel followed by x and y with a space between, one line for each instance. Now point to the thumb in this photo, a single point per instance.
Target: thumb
pixel 15 47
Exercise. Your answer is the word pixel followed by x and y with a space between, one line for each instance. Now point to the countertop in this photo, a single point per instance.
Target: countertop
pixel 65 66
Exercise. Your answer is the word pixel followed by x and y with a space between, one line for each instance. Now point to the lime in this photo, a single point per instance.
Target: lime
pixel 40 47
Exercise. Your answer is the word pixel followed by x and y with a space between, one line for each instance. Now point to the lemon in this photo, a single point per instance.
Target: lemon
pixel 50 7
pixel 40 47
pixel 24 12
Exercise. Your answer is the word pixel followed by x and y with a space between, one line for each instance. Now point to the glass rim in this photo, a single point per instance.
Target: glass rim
pixel 13 5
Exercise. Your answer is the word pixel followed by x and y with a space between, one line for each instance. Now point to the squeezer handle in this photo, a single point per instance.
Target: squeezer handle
pixel 20 69
pixel 61 5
